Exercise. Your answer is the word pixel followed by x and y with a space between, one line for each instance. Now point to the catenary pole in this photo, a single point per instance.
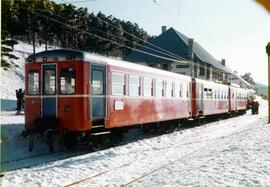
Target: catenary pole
pixel 268 54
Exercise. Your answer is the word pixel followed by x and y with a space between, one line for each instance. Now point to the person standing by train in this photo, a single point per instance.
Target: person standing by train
pixel 19 96
pixel 17 102
pixel 255 107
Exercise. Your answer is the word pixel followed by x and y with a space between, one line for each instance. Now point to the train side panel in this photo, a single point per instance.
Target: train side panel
pixel 125 110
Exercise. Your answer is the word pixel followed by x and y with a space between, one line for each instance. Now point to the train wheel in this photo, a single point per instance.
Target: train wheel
pixel 96 147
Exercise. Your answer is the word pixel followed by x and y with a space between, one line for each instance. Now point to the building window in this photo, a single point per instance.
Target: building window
pixel 118 84
pixel 165 67
pixel 201 71
pixel 67 81
pixel 148 87
pixel 33 82
pixel 182 66
pixel 159 88
pixel 134 85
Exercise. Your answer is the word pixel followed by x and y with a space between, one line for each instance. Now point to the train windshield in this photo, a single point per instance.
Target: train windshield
pixel 33 82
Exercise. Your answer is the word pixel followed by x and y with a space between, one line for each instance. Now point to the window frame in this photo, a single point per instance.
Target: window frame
pixel 151 87
pixel 38 90
pixel 118 84
pixel 134 85
pixel 60 85
pixel 158 87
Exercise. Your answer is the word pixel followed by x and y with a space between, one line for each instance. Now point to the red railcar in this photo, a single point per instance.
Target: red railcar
pixel 238 99
pixel 209 98
pixel 76 92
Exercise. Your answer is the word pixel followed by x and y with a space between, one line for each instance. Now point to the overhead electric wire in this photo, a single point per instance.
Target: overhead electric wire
pixel 164 9
pixel 134 36
pixel 181 59
pixel 89 33
pixel 122 38
pixel 217 70
pixel 138 38
pixel 184 60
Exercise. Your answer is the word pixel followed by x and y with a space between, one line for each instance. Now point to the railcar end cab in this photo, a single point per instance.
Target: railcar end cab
pixel 55 91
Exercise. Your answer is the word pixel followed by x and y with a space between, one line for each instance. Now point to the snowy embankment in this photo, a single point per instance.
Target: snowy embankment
pixel 13 78
pixel 231 152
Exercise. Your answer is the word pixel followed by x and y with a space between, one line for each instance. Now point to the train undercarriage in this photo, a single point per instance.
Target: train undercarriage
pixel 99 138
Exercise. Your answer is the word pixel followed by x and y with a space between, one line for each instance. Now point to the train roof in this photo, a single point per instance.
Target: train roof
pixel 210 83
pixel 74 55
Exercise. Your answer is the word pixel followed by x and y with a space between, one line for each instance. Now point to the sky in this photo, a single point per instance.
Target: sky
pixel 236 30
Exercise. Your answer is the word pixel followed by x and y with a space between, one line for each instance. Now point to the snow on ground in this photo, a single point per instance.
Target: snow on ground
pixel 231 152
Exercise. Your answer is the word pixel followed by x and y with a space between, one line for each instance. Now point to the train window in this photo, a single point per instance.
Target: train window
pixel 33 82
pixel 67 81
pixel 178 90
pixel 169 89
pixel 118 84
pixel 134 85
pixel 97 82
pixel 181 91
pixel 222 95
pixel 148 87
pixel 159 88
pixel 50 82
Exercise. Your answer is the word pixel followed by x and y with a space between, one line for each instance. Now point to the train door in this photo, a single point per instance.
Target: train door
pixel 49 91
pixel 98 91
pixel 199 94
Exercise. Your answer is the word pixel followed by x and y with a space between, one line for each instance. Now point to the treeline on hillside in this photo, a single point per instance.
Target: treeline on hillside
pixel 69 27
pixel 259 88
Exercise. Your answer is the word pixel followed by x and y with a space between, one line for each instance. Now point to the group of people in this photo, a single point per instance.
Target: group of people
pixel 255 107
pixel 20 100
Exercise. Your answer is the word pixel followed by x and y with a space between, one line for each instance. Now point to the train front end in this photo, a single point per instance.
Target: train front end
pixel 54 92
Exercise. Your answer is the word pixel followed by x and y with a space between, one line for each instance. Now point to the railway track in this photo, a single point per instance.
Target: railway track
pixel 88 179
pixel 35 160
pixel 16 163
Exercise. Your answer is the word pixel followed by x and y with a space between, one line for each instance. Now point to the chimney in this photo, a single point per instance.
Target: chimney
pixel 223 62
pixel 163 29
pixel 190 48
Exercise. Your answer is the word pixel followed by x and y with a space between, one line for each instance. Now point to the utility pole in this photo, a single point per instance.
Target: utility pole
pixel 268 54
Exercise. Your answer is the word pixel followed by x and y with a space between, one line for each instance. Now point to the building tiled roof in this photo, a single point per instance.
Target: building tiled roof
pixel 204 55
pixel 176 43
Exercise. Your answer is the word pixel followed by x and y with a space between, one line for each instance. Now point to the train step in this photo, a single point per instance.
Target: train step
pixel 97 126
pixel 100 133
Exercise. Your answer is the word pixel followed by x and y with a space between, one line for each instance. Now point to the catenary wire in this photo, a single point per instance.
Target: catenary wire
pixel 215 70
pixel 121 38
